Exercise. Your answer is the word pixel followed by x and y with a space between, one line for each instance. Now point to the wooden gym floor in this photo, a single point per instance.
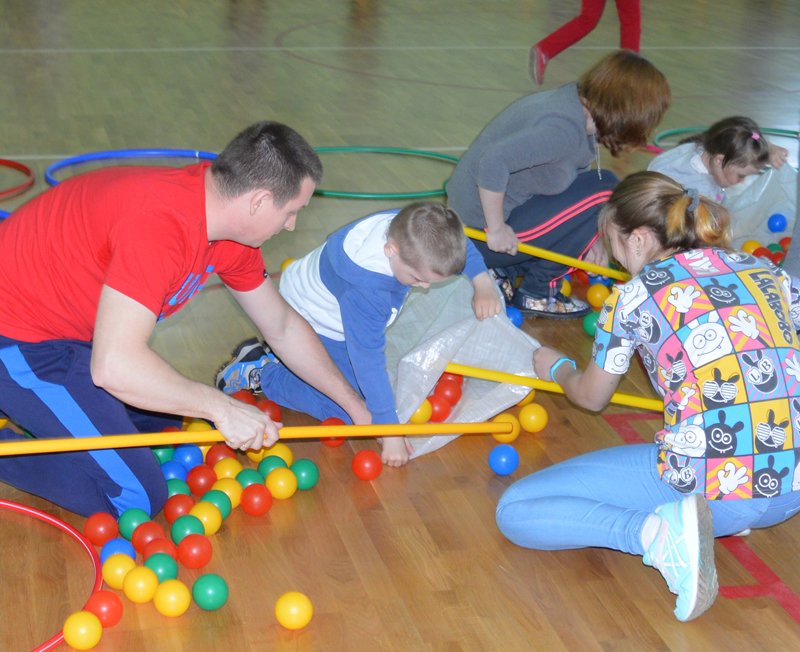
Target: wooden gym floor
pixel 412 560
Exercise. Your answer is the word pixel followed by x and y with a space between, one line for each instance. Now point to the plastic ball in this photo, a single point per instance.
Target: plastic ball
pixel 140 584
pixel 450 390
pixel 306 472
pixel 217 452
pixel 281 450
pixel 177 486
pixel 286 262
pixel 231 489
pixel 507 417
pixel 115 568
pixel 761 252
pixel 440 408
pixel 566 288
pixel 581 276
pixel 246 477
pixel 117 546
pixel 367 465
pixel 282 483
pixel 597 294
pixel 184 526
pixel 785 243
pixel 528 398
pixel 100 528
pixel 256 500
pixel 172 598
pixel 503 459
pixel 200 479
pixel 458 378
pixel 777 222
pixel 294 610
pixel 107 606
pixel 130 519
pixel 270 408
pixel 172 469
pixel 163 453
pixel 210 592
pixel 332 442
pixel 774 247
pixel 422 414
pixel 515 316
pixel 220 499
pixel 228 467
pixel 590 323
pixel 197 425
pixel 156 546
pixel 255 455
pixel 749 246
pixel 82 630
pixel 145 533
pixel 209 516
pixel 163 565
pixel 269 464
pixel 245 396
pixel 777 257
pixel 189 455
pixel 195 551
pixel 176 506
pixel 533 417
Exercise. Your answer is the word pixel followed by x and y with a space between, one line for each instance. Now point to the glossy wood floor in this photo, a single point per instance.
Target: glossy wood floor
pixel 412 560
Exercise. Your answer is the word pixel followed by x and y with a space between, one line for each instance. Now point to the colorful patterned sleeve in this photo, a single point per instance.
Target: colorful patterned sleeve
pixel 612 349
pixel 791 290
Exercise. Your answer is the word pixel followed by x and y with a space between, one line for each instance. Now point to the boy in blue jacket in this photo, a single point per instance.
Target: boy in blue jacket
pixel 350 290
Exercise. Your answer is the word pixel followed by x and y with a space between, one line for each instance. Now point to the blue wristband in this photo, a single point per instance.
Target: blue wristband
pixel 562 360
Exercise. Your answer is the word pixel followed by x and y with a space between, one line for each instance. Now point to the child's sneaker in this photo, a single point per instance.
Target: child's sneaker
pixel 683 552
pixel 503 283
pixel 244 370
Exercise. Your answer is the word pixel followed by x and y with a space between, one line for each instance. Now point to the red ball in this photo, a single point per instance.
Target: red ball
pixel 270 408
pixel 777 257
pixel 440 408
pixel 107 606
pixel 245 396
pixel 581 276
pixel 448 376
pixel 450 390
pixel 160 545
pixel 785 243
pixel 100 528
pixel 177 506
pixel 145 533
pixel 256 500
pixel 762 252
pixel 200 479
pixel 217 452
pixel 333 442
pixel 194 551
pixel 367 465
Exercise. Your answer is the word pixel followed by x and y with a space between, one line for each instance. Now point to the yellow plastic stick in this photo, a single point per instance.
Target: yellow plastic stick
pixel 475 234
pixel 61 445
pixel 547 386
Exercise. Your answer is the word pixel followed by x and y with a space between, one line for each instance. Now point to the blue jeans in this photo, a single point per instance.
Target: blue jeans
pixel 601 499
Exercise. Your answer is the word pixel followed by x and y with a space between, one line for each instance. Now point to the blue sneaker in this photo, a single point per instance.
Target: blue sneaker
pixel 244 370
pixel 683 552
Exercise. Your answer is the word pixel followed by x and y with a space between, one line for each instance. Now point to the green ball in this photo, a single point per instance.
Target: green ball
pixel 246 477
pixel 307 473
pixel 163 453
pixel 130 519
pixel 774 247
pixel 185 525
pixel 270 463
pixel 210 592
pixel 164 566
pixel 177 486
pixel 590 322
pixel 220 500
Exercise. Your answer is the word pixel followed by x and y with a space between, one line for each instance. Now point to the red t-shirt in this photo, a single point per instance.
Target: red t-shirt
pixel 139 230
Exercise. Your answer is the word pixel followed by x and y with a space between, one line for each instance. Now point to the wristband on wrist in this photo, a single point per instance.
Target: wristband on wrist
pixel 562 360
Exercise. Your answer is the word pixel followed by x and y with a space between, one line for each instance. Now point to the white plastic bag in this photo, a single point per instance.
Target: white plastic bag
pixel 753 201
pixel 437 327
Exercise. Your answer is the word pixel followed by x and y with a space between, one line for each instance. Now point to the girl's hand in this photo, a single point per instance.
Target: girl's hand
pixel 543 359
pixel 777 155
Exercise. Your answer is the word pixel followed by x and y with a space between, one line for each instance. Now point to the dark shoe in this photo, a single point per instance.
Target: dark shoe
pixel 503 283
pixel 537 62
pixel 555 307
pixel 244 370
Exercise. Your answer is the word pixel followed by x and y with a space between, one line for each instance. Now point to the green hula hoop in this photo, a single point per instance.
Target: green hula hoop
pixel 420 153
pixel 660 137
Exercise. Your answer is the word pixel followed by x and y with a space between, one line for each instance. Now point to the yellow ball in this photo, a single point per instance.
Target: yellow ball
pixel 228 467
pixel 533 417
pixel 286 263
pixel 172 598
pixel 282 483
pixel 197 425
pixel 749 246
pixel 294 610
pixel 423 413
pixel 528 399
pixel 3 422
pixel 566 288
pixel 596 294
pixel 140 584
pixel 280 450
pixel 82 630
pixel 115 568
pixel 230 488
pixel 256 456
pixel 210 516
pixel 507 417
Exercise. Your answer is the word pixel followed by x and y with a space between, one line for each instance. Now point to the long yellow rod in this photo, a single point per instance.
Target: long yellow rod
pixel 61 445
pixel 569 261
pixel 617 398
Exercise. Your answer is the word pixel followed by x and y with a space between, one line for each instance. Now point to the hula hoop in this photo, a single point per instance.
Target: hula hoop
pixel 30 177
pixel 58 638
pixel 660 137
pixel 89 157
pixel 420 153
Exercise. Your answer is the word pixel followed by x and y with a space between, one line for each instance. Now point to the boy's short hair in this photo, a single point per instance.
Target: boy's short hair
pixel 266 156
pixel 430 236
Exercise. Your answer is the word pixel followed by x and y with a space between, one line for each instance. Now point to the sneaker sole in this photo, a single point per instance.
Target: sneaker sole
pixel 703 537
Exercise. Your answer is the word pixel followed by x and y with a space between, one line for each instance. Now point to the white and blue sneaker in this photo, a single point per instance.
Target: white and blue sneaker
pixel 244 369
pixel 683 552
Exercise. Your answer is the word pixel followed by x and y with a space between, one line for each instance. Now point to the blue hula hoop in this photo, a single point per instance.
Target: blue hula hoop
pixel 123 154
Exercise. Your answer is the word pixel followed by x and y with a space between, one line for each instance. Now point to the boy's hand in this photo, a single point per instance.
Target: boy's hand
pixel 485 300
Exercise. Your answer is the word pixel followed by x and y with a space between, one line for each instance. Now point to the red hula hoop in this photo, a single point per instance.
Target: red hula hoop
pixel 30 177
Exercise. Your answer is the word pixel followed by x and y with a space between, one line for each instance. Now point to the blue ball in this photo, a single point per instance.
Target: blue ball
pixel 114 546
pixel 777 223
pixel 504 459
pixel 515 316
pixel 172 469
pixel 189 455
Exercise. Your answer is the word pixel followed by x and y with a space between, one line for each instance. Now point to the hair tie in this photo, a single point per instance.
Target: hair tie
pixel 755 135
pixel 695 197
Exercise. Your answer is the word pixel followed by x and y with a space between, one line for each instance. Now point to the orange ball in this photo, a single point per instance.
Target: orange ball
pixel 533 417
pixel 596 294
pixel 507 417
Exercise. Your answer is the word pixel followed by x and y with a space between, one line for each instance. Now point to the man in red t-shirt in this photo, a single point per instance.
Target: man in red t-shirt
pixel 88 267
